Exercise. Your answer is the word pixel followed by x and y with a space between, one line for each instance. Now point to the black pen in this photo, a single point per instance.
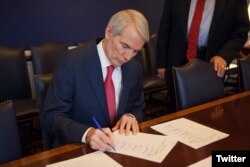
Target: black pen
pixel 100 128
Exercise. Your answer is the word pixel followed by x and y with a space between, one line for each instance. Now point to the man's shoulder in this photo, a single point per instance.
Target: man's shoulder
pixel 87 44
pixel 134 63
pixel 133 67
pixel 86 48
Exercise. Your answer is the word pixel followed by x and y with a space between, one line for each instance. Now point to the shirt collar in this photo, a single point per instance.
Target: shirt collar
pixel 103 57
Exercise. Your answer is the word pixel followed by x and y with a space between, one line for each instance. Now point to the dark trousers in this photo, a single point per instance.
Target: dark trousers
pixel 201 52
pixel 171 91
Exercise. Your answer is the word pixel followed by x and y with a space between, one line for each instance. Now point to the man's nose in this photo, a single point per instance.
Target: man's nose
pixel 129 55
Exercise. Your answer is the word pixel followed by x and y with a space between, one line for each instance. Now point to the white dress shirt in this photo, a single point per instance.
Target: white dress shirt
pixel 116 77
pixel 205 22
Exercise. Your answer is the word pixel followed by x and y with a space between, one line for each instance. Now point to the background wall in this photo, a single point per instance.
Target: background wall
pixel 31 22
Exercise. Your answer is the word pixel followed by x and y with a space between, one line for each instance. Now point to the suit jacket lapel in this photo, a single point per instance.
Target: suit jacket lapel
pixel 218 6
pixel 125 90
pixel 184 7
pixel 93 67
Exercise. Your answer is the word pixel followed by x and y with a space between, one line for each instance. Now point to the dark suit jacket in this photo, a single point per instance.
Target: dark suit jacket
pixel 77 93
pixel 228 31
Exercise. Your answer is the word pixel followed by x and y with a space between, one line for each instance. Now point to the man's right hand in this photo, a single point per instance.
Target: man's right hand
pixel 99 140
pixel 161 73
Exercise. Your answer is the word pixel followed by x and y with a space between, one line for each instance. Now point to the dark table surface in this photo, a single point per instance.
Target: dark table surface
pixel 230 115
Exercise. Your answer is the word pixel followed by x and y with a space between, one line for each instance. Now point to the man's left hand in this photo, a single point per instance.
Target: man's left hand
pixel 219 65
pixel 126 124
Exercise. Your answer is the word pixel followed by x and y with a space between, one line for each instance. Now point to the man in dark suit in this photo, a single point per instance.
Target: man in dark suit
pixel 223 32
pixel 77 92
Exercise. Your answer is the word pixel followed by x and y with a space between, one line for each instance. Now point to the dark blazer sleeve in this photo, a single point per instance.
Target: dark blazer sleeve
pixel 239 30
pixel 163 35
pixel 137 96
pixel 56 116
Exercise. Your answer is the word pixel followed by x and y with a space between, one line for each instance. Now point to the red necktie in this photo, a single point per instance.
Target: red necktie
pixel 194 30
pixel 110 93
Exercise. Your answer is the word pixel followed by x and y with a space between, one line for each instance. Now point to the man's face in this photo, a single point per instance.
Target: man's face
pixel 122 48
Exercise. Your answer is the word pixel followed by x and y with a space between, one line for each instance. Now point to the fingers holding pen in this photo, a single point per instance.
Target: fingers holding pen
pixel 109 135
pixel 100 140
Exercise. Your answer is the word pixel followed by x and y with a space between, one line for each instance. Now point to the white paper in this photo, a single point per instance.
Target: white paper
pixel 95 159
pixel 142 145
pixel 207 162
pixel 189 132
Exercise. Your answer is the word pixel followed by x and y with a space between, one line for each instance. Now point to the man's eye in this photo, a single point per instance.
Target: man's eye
pixel 125 46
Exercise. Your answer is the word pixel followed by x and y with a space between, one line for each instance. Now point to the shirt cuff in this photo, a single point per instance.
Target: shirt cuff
pixel 85 135
pixel 131 115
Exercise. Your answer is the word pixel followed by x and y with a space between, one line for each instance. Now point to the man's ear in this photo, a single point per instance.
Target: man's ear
pixel 108 31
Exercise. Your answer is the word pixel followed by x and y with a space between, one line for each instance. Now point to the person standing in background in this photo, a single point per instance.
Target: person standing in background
pixel 210 30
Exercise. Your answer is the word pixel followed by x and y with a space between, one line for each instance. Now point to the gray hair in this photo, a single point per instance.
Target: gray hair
pixel 125 17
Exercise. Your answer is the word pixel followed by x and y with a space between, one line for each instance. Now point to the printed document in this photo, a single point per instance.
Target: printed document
pixel 145 146
pixel 189 132
pixel 95 159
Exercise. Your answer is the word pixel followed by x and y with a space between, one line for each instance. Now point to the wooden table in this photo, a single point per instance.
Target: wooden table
pixel 230 115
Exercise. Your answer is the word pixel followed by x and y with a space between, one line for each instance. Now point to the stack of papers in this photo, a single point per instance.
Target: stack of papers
pixel 142 145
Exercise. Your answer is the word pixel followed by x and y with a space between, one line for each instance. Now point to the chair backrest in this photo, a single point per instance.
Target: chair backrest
pixel 196 83
pixel 244 73
pixel 143 59
pixel 9 138
pixel 45 56
pixel 147 57
pixel 42 83
pixel 14 74
pixel 150 47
